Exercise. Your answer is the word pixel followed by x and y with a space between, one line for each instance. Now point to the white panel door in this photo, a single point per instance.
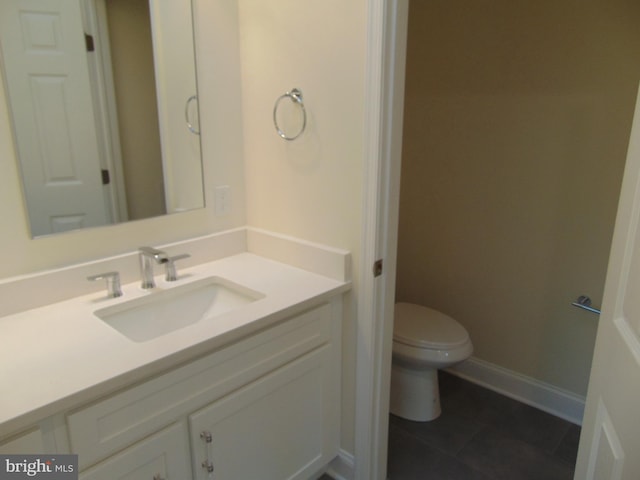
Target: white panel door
pixel 47 74
pixel 610 441
pixel 175 70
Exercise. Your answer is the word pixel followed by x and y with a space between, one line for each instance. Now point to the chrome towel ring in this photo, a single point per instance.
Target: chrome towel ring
pixel 296 96
pixel 191 128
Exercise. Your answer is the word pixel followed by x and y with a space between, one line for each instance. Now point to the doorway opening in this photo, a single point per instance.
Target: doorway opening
pixel 516 126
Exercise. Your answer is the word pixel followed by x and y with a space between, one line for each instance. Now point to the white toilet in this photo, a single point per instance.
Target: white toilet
pixel 424 340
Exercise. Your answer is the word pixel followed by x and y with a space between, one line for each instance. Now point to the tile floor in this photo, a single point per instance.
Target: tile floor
pixel 482 435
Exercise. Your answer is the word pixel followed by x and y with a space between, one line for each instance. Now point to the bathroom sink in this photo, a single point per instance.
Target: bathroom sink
pixel 165 311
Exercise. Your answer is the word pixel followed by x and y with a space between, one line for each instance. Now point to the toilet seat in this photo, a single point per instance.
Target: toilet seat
pixel 423 327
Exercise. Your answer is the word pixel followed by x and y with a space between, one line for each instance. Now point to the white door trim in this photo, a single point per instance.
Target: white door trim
pixel 384 99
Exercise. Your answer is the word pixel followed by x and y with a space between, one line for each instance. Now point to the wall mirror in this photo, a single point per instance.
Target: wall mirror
pixel 103 101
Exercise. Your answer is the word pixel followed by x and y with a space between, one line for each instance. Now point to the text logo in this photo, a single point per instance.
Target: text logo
pixel 49 467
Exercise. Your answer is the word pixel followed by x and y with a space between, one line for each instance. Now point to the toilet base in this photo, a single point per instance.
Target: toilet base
pixel 415 394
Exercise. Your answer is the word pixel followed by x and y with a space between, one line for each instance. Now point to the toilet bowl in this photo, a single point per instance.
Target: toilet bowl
pixel 424 340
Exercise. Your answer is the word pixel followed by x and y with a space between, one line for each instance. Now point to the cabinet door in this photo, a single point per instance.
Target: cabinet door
pixel 275 428
pixel 162 456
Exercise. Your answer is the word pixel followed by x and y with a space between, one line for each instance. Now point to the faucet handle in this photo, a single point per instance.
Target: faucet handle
pixel 158 255
pixel 171 275
pixel 113 283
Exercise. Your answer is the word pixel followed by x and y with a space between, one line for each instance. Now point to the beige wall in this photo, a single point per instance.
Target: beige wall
pixel 516 123
pixel 311 187
pixel 222 151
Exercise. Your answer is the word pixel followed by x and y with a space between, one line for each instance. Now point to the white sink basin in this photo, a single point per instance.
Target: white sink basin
pixel 165 311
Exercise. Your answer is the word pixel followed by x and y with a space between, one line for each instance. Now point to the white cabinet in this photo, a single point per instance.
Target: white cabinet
pixel 269 403
pixel 272 429
pixel 162 456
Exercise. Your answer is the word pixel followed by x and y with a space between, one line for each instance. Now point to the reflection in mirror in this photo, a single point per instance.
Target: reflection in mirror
pixel 103 100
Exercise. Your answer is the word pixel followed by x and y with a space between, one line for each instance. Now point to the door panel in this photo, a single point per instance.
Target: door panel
pixel 610 439
pixel 631 307
pixel 50 97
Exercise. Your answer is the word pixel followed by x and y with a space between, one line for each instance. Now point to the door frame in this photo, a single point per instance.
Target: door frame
pixel 384 104
pixel 384 97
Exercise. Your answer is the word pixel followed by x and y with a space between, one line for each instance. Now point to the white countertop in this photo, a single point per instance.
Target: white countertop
pixel 55 357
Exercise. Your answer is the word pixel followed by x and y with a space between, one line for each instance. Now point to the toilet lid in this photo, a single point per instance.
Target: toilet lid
pixel 425 327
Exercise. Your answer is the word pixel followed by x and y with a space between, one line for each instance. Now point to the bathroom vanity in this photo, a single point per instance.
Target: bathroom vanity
pixel 252 392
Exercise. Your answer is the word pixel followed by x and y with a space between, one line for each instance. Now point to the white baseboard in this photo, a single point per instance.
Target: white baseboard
pixel 544 396
pixel 343 466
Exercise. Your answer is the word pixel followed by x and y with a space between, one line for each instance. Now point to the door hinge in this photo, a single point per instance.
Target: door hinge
pixel 377 268
pixel 106 178
pixel 88 40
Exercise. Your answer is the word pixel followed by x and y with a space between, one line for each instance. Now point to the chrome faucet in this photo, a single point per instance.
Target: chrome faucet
pixel 149 256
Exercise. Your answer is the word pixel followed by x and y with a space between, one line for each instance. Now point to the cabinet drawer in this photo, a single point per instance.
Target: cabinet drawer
pixel 162 455
pixel 110 425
